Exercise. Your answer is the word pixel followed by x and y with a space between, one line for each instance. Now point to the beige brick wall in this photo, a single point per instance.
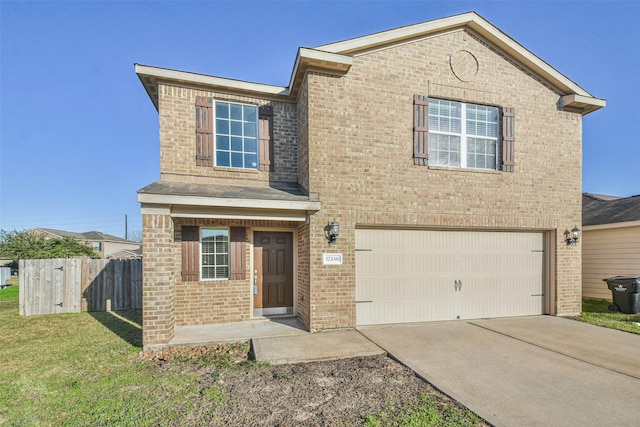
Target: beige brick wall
pixel 178 139
pixel 158 278
pixel 350 139
pixel 367 176
pixel 221 301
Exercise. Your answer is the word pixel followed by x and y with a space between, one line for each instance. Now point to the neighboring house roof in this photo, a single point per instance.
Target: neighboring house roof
pixel 603 209
pixel 93 236
pixel 337 58
pixel 126 253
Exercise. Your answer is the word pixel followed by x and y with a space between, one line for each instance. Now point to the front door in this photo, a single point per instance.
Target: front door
pixel 273 260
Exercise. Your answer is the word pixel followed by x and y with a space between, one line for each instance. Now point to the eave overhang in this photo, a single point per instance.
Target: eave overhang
pixel 337 58
pixel 306 60
pixel 575 97
pixel 210 201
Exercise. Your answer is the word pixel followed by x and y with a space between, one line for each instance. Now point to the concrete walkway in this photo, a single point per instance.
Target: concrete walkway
pixel 314 347
pixel 280 340
pixel 532 371
pixel 238 331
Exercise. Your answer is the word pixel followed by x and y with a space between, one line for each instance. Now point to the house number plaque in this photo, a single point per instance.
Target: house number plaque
pixel 332 259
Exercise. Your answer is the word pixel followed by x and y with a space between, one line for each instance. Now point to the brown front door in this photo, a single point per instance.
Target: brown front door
pixel 277 268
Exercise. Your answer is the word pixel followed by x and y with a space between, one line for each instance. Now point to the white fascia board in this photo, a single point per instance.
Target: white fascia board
pixel 314 55
pixel 205 80
pixel 473 21
pixel 611 225
pixel 249 214
pixel 398 34
pixel 586 103
pixel 172 200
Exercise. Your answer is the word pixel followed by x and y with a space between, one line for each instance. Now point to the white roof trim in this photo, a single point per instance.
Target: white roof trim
pixel 173 200
pixel 481 26
pixel 250 214
pixel 611 225
pixel 202 79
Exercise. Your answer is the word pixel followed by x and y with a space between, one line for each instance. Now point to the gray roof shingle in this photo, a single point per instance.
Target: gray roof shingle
pixel 602 209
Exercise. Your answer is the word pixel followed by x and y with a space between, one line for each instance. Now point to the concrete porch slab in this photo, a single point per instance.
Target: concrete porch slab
pixel 314 347
pixel 238 331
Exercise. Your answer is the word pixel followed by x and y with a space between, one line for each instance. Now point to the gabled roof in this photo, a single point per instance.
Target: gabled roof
pixel 337 58
pixel 600 209
pixel 91 236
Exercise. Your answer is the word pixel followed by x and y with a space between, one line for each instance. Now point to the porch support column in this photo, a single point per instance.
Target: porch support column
pixel 158 278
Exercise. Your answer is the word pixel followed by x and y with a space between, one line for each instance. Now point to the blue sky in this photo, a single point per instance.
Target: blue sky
pixel 79 136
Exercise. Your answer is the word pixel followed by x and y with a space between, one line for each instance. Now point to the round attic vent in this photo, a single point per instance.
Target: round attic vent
pixel 464 65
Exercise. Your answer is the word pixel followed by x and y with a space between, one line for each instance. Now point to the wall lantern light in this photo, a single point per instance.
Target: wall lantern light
pixel 572 237
pixel 331 231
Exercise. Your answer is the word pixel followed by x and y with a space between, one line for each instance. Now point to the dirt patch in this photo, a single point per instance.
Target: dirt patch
pixel 372 390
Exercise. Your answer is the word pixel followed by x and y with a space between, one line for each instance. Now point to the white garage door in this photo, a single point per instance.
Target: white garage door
pixel 418 275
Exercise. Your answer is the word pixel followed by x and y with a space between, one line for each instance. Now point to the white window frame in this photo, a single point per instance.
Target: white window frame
pixel 215 135
pixel 201 257
pixel 464 136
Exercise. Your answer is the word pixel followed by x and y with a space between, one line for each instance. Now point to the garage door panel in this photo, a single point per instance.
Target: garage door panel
pixel 418 275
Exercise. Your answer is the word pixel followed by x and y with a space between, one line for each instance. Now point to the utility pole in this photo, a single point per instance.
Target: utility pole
pixel 126 228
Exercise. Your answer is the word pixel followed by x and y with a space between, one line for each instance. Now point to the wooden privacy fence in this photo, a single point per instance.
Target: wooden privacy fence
pixel 67 285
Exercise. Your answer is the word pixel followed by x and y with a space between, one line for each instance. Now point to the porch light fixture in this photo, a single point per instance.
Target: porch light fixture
pixel 572 237
pixel 331 231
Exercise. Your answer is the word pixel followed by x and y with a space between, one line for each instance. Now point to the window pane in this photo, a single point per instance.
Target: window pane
pixel 222 158
pixel 444 150
pixel 236 128
pixel 236 160
pixel 236 112
pixel 250 129
pixel 222 127
pixel 250 113
pixel 222 142
pixel 481 153
pixel 222 110
pixel 250 145
pixel 251 160
pixel 236 143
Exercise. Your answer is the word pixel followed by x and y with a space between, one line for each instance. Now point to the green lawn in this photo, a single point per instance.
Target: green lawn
pixel 596 312
pixel 80 369
pixel 85 369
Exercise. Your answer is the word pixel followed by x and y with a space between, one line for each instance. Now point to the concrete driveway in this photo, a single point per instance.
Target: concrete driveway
pixel 528 371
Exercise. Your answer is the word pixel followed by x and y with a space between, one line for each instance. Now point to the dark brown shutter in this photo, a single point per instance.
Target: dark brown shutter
pixel 508 139
pixel 238 237
pixel 204 131
pixel 265 130
pixel 190 253
pixel 420 130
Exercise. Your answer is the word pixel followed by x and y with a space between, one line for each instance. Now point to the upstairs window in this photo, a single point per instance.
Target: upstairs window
pixel 233 135
pixel 463 135
pixel 236 135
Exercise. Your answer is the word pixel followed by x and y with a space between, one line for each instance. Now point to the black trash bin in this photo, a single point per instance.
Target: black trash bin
pixel 626 293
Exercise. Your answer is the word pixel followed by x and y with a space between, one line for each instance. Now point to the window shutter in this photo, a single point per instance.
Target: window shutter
pixel 190 253
pixel 508 139
pixel 238 237
pixel 204 131
pixel 265 130
pixel 420 130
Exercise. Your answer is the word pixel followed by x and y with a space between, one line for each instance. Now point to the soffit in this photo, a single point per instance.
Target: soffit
pixel 336 58
pixel 195 200
pixel 575 97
